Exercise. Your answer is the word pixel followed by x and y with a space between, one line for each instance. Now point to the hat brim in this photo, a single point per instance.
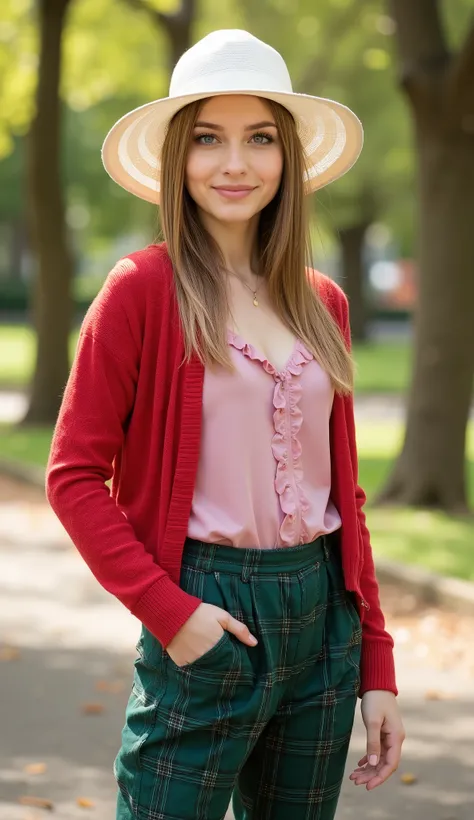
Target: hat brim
pixel 330 133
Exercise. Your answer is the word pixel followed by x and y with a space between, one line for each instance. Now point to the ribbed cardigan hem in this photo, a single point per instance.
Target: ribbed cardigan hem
pixel 164 608
pixel 377 667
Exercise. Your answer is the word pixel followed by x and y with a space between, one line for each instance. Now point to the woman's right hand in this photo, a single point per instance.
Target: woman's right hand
pixel 200 633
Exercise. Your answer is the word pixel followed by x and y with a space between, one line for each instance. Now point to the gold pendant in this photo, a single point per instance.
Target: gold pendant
pixel 255 301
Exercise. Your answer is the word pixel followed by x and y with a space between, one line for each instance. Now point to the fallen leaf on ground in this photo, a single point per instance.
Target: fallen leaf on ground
pixel 92 708
pixel 37 802
pixel 35 768
pixel 85 803
pixel 9 653
pixel 408 778
pixel 113 686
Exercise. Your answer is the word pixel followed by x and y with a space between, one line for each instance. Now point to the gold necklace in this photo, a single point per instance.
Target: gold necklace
pixel 252 291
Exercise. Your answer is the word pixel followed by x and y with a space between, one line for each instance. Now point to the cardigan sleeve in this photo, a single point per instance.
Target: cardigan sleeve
pixel 88 435
pixel 377 661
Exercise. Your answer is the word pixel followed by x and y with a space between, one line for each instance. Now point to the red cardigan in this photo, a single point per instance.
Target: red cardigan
pixel 131 413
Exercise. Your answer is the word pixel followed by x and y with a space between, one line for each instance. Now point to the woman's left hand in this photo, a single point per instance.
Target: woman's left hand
pixel 385 736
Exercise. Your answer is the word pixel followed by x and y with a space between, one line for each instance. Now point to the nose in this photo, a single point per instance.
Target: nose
pixel 235 162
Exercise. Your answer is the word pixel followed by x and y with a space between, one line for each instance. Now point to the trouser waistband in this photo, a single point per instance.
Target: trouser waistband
pixel 246 561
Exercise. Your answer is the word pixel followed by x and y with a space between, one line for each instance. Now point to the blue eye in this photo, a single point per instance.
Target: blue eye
pixel 204 136
pixel 267 137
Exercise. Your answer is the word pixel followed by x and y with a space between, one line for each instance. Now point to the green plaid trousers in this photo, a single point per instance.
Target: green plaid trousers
pixel 266 726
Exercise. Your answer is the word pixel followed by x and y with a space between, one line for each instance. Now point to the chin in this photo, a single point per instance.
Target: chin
pixel 234 216
pixel 234 212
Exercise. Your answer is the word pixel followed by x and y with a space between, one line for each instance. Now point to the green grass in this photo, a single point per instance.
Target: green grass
pixel 432 540
pixel 381 368
pixel 17 354
pixel 28 446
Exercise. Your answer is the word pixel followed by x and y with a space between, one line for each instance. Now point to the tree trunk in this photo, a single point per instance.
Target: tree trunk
pixel 430 470
pixel 52 292
pixel 179 31
pixel 352 245
pixel 18 246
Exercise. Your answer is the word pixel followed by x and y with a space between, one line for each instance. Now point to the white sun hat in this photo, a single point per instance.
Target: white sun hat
pixel 231 61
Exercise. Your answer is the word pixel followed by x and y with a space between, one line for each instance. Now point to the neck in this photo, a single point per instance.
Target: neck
pixel 237 242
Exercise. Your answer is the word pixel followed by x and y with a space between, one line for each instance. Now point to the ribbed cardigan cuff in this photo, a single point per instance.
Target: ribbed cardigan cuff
pixel 377 667
pixel 164 608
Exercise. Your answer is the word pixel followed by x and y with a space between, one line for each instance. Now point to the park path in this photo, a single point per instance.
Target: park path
pixel 67 648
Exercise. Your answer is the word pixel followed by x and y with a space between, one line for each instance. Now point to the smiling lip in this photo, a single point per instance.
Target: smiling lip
pixel 236 192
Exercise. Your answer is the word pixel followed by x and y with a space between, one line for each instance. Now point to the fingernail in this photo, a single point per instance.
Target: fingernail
pixel 373 760
pixel 253 640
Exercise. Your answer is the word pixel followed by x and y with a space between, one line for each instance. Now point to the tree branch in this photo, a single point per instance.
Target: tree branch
pixel 186 12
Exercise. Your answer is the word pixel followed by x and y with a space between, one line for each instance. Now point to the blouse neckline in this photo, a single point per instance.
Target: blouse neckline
pixel 298 357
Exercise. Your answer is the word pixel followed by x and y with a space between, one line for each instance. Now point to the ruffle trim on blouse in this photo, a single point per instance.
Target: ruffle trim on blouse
pixel 286 402
pixel 299 357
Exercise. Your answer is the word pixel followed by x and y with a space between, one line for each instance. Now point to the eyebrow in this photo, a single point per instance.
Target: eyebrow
pixel 265 124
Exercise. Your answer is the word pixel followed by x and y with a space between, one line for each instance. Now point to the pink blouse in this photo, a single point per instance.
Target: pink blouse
pixel 264 473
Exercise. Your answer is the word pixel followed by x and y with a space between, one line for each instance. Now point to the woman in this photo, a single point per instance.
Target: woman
pixel 213 384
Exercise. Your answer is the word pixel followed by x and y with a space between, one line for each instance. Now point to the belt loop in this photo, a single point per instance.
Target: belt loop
pixel 325 548
pixel 250 559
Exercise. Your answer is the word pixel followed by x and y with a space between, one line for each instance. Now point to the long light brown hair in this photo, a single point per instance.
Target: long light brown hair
pixel 283 248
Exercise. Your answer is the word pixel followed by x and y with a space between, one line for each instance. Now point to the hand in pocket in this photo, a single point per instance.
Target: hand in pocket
pixel 202 631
